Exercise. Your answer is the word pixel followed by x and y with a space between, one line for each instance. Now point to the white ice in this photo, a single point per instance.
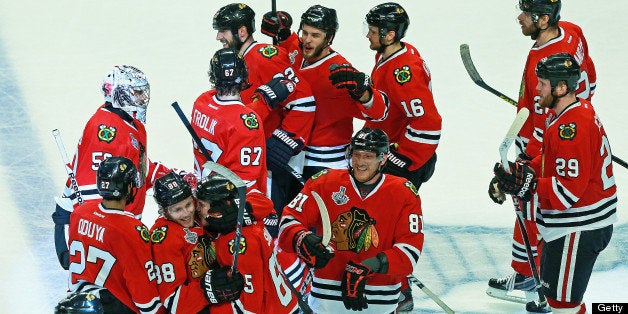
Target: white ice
pixel 53 55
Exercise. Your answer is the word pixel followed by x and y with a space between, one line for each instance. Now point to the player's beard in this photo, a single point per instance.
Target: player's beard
pixel 548 101
pixel 316 53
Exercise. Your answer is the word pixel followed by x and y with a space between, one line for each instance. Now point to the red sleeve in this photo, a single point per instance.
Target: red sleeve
pixel 300 214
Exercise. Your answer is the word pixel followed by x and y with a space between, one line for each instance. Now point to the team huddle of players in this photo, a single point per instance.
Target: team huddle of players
pixel 284 109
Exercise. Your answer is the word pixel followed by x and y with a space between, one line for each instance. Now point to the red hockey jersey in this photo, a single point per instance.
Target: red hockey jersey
pixel 234 136
pixel 183 257
pixel 112 132
pixel 572 41
pixel 111 249
pixel 297 112
pixel 576 187
pixel 389 220
pixel 335 110
pixel 265 289
pixel 413 121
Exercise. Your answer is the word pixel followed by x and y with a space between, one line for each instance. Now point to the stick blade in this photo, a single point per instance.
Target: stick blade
pixel 324 218
pixel 465 54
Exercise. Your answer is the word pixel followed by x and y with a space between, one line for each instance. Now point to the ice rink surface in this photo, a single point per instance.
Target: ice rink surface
pixel 53 55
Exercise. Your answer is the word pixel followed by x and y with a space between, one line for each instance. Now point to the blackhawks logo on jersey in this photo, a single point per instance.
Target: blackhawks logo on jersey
pixel 159 235
pixel 567 131
pixel 106 133
pixel 354 230
pixel 242 245
pixel 250 121
pixel 403 75
pixel 411 187
pixel 268 51
pixel 144 233
pixel 202 257
pixel 319 174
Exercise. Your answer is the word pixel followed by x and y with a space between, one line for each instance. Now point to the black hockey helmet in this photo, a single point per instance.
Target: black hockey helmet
pixel 233 16
pixel 216 188
pixel 79 302
pixel 372 140
pixel 170 189
pixel 222 196
pixel 227 69
pixel 541 7
pixel 114 177
pixel 559 67
pixel 322 18
pixel 389 16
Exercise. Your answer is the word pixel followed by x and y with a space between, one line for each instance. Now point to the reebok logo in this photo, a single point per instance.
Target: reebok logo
pixel 526 185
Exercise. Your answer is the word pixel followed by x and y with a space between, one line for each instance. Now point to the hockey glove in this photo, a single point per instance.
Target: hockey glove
pixel 353 285
pixel 310 249
pixel 521 182
pixel 277 25
pixel 495 193
pixel 271 222
pixel 280 147
pixel 220 286
pixel 346 76
pixel 397 164
pixel 276 91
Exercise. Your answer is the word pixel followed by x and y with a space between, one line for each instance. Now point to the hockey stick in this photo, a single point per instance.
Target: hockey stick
pixel 229 175
pixel 241 186
pixel 305 308
pixel 475 76
pixel 273 9
pixel 520 119
pixel 68 167
pixel 430 294
pixel 324 219
pixel 511 135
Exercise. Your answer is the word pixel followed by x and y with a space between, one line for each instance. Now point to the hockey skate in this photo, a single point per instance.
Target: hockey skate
pixel 504 288
pixel 536 307
pixel 406 303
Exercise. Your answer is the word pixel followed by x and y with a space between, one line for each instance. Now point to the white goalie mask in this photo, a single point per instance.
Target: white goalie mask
pixel 127 88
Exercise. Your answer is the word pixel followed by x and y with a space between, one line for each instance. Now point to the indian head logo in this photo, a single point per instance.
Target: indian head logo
pixel 202 257
pixel 354 230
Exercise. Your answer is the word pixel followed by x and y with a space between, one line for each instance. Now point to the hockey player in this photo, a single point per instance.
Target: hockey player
pixel 333 124
pixel 183 254
pixel 116 129
pixel 376 226
pixel 288 123
pixel 573 180
pixel 109 247
pixel 232 133
pixel 413 123
pixel 539 19
pixel 265 289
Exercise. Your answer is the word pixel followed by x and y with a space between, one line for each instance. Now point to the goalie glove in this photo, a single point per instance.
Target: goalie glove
pixel 280 147
pixel 495 193
pixel 310 249
pixel 520 182
pixel 277 25
pixel 276 91
pixel 346 76
pixel 353 285
pixel 219 286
